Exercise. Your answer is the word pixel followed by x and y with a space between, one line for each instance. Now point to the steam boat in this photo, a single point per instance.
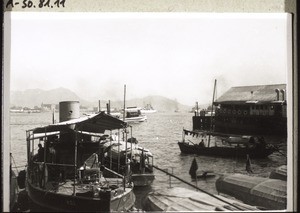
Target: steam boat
pixel 66 173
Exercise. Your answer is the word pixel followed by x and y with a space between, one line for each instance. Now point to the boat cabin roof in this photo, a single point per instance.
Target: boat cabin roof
pixel 252 94
pixel 132 109
pixel 96 123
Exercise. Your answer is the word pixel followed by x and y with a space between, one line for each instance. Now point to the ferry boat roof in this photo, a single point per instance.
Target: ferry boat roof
pixel 96 123
pixel 254 94
pixel 132 109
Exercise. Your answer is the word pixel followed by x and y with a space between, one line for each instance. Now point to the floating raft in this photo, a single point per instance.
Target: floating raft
pixel 258 191
pixel 184 200
pixel 279 173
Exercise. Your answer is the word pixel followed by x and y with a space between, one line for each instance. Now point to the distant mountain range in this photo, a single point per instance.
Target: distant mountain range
pixel 35 97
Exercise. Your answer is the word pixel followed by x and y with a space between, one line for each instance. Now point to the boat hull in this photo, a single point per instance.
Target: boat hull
pixel 142 179
pixel 279 173
pixel 224 151
pixel 148 111
pixel 139 179
pixel 136 119
pixel 50 201
pixel 268 193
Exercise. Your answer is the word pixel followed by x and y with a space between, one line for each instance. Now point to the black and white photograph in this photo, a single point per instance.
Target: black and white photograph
pixel 138 112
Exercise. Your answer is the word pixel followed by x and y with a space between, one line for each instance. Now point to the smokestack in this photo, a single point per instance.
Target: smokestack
pixel 277 94
pixel 283 94
pixel 68 110
pixel 107 108
pixel 99 106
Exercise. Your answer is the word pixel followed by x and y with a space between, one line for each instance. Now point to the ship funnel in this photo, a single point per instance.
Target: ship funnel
pixel 277 93
pixel 68 110
pixel 283 94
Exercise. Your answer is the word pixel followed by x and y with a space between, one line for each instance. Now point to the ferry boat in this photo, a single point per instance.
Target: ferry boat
pixel 66 173
pixel 255 110
pixel 134 115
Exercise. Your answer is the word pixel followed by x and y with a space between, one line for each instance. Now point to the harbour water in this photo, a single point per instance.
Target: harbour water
pixel 160 134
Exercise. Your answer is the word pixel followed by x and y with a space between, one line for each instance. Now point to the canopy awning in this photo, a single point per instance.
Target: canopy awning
pixel 96 123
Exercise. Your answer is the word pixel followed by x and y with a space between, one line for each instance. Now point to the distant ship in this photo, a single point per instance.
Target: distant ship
pixel 148 109
pixel 134 115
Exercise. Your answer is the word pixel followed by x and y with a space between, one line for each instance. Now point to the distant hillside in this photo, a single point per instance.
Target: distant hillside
pixel 35 97
pixel 159 103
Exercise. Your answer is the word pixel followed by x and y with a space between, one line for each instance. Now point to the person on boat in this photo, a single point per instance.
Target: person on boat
pixel 251 144
pixel 41 151
pixel 261 143
pixel 262 140
pixel 52 153
pixel 202 143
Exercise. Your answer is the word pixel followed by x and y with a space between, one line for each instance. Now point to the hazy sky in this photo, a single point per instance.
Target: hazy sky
pixel 174 55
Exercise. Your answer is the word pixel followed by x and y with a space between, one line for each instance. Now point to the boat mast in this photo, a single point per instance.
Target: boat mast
pixel 124 102
pixel 75 160
pixel 126 163
pixel 212 109
pixel 118 150
pixel 110 156
pixel 131 143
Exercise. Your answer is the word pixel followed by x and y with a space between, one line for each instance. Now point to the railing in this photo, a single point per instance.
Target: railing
pixel 39 173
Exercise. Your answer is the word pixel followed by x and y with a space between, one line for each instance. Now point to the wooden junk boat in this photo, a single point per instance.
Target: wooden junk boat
pixel 141 159
pixel 239 146
pixel 67 173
